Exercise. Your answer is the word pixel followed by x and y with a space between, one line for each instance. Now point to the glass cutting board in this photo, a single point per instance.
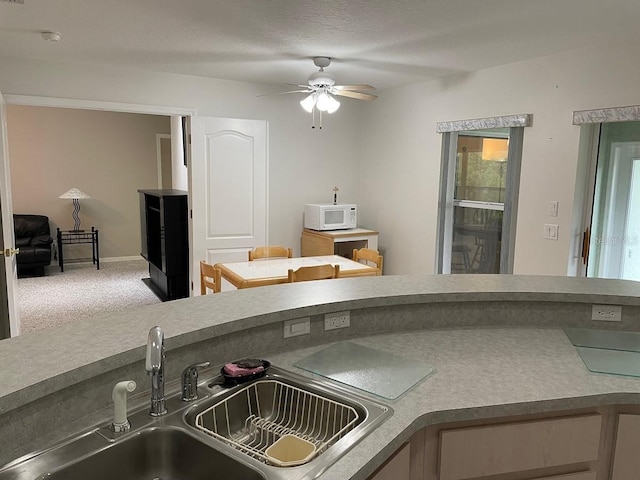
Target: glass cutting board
pixel 609 339
pixel 607 351
pixel 368 369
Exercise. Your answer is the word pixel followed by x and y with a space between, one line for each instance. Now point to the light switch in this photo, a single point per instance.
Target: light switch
pixel 553 208
pixel 550 231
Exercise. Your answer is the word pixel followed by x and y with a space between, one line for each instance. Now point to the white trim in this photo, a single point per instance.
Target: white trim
pixel 159 137
pixel 37 101
pixel 103 260
pixel 121 259
pixel 605 115
pixel 519 120
pixel 476 204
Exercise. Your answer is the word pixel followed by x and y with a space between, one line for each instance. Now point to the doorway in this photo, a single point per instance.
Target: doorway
pixel 81 105
pixel 613 236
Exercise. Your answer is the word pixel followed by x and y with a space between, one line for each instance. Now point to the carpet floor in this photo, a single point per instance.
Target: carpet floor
pixel 81 292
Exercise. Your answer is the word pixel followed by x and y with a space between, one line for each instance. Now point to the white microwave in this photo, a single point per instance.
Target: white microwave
pixel 326 216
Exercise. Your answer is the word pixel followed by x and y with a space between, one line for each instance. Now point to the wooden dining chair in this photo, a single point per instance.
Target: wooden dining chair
pixel 209 278
pixel 368 256
pixel 270 252
pixel 315 272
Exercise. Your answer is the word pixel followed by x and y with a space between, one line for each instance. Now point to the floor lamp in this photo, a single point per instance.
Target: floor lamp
pixel 75 195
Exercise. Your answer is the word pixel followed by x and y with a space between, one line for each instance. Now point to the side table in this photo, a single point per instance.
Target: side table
pixel 72 237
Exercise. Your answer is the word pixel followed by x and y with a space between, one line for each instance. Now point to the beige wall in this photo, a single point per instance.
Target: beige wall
pixel 401 151
pixel 107 155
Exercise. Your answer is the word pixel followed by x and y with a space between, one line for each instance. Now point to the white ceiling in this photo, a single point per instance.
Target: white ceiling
pixel 385 43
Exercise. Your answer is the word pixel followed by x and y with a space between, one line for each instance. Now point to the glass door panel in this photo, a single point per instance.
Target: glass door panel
pixel 478 200
pixel 614 246
pixel 477 235
pixel 481 168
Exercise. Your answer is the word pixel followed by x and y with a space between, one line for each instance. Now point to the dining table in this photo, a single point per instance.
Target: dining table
pixel 272 271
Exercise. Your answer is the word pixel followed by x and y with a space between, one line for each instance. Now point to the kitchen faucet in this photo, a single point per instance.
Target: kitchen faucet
pixel 155 368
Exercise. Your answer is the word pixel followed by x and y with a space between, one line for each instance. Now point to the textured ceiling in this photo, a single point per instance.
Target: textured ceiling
pixel 384 43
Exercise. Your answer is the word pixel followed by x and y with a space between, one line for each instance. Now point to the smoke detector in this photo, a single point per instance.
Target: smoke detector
pixel 51 36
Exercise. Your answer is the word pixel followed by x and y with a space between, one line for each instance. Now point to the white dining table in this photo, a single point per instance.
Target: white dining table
pixel 272 271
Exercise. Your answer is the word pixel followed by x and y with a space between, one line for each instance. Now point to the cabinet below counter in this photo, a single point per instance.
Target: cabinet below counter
pixel 593 444
pixel 337 242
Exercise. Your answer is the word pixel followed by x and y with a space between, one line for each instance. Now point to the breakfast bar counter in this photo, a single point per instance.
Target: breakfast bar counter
pixel 496 343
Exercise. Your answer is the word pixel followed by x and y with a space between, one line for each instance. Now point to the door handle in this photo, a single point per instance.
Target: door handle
pixel 7 252
pixel 586 240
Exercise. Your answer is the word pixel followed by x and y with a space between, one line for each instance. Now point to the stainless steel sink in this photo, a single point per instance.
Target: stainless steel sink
pixel 156 453
pixel 250 418
pixel 178 445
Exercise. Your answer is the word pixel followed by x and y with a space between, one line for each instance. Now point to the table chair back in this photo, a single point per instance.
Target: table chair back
pixel 270 252
pixel 209 278
pixel 368 256
pixel 315 272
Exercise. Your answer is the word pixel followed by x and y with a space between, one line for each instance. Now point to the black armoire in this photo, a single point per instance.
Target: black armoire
pixel 165 241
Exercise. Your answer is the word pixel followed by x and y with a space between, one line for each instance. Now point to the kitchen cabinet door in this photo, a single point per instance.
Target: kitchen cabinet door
pixel 473 452
pixel 626 458
pixel 396 468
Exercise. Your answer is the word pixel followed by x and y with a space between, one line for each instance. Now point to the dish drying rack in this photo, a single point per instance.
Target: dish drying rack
pixel 252 419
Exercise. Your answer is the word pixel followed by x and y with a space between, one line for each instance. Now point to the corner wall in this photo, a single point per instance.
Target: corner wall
pixel 401 151
pixel 304 164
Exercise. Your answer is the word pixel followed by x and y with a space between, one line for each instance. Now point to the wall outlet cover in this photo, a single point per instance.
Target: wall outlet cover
pixel 337 320
pixel 606 313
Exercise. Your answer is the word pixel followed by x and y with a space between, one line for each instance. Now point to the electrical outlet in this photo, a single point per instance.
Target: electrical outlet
pixel 337 320
pixel 606 313
pixel 299 326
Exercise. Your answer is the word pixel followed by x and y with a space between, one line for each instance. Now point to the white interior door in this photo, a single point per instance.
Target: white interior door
pixel 228 190
pixel 11 265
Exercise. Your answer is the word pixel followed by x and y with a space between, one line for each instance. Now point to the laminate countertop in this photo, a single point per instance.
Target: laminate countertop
pixel 480 373
pixel 496 342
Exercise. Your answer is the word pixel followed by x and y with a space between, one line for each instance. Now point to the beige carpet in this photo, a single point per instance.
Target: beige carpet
pixel 81 292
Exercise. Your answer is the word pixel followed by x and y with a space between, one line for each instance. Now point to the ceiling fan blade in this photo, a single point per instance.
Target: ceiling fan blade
pixel 284 93
pixel 358 95
pixel 354 87
pixel 296 85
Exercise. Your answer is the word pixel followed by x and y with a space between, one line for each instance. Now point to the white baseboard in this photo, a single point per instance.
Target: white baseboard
pixel 121 259
pixel 54 263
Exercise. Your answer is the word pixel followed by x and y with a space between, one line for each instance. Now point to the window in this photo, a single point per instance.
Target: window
pixel 478 194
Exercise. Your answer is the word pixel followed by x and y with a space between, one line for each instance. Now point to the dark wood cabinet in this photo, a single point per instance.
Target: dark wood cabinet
pixel 165 241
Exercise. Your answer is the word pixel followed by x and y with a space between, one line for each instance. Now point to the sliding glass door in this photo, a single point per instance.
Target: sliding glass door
pixel 478 197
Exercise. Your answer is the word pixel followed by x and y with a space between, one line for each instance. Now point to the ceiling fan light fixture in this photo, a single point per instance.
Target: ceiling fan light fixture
pixel 333 104
pixel 308 103
pixel 323 102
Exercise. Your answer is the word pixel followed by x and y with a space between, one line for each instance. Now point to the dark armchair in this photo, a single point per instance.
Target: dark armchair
pixel 33 238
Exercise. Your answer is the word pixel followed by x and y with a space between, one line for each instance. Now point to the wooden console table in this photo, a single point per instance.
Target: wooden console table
pixel 337 242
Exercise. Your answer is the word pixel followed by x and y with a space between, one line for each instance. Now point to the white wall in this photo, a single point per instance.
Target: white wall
pixel 305 164
pixel 401 151
pixel 385 155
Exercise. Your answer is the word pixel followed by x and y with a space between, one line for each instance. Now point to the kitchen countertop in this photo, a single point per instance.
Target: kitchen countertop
pixel 484 369
pixel 480 373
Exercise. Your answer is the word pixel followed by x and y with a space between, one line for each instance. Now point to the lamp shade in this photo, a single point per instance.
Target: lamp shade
pixel 74 193
pixel 309 102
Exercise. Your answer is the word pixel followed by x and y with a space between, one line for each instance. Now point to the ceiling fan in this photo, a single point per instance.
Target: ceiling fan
pixel 322 88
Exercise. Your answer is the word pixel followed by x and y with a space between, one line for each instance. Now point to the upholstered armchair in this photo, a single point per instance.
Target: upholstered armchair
pixel 33 238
